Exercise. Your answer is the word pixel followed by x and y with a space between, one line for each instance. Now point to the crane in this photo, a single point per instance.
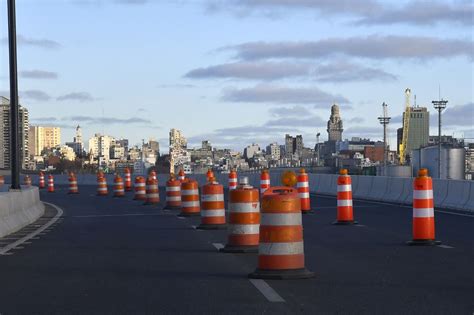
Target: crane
pixel 406 127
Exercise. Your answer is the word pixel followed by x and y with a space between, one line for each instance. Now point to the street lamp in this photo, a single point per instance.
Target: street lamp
pixel 14 108
pixel 439 106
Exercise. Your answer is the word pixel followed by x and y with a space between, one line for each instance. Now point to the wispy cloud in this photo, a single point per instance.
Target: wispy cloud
pixel 38 74
pixel 35 95
pixel 275 94
pixel 175 86
pixel 460 115
pixel 34 42
pixel 77 96
pixel 108 120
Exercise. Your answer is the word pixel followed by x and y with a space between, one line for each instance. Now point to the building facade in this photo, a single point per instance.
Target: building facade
pixel 41 138
pixel 418 130
pixel 335 126
pixel 99 147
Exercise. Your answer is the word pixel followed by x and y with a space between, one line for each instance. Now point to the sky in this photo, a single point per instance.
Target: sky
pixel 237 72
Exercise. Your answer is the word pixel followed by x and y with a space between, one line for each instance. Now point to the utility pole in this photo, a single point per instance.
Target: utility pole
pixel 317 144
pixel 439 105
pixel 384 120
pixel 14 108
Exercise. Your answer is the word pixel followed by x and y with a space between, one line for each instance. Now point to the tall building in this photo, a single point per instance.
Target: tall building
pixel 335 127
pixel 77 145
pixel 418 130
pixel 178 149
pixel 273 149
pixel 5 134
pixel 41 138
pixel 251 150
pixel 293 146
pixel 99 147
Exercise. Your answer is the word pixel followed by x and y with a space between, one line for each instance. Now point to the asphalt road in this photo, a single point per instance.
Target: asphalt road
pixel 116 256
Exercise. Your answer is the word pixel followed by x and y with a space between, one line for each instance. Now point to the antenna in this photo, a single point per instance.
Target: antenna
pixel 414 105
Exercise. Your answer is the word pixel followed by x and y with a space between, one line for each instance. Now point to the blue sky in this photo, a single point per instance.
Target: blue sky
pixel 239 71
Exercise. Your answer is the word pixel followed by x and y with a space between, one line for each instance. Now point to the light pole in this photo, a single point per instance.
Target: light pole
pixel 14 108
pixel 439 106
pixel 317 144
pixel 384 120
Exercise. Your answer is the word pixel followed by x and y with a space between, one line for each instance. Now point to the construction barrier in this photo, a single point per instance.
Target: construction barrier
pixel 152 191
pixel 119 190
pixel 281 248
pixel 128 179
pixel 244 219
pixel 264 181
pixel 102 187
pixel 212 206
pixel 73 189
pixel 232 180
pixel 181 175
pixel 303 191
pixel 27 181
pixel 189 198
pixel 457 196
pixel 140 188
pixel 345 213
pixel 50 184
pixel 41 182
pixel 173 194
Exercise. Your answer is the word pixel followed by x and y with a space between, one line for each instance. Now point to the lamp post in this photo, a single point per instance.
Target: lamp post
pixel 384 120
pixel 14 108
pixel 439 106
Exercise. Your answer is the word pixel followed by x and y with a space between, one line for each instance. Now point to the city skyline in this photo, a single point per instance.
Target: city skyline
pixel 268 79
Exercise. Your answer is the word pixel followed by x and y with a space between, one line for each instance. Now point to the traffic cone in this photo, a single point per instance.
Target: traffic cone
pixel 423 211
pixel 232 179
pixel 173 194
pixel 73 189
pixel 41 182
pixel 281 249
pixel 244 219
pixel 153 174
pixel 303 191
pixel 345 215
pixel 102 187
pixel 209 174
pixel 181 175
pixel 128 179
pixel 189 198
pixel 27 181
pixel 140 188
pixel 119 190
pixel 212 206
pixel 152 192
pixel 264 181
pixel 50 184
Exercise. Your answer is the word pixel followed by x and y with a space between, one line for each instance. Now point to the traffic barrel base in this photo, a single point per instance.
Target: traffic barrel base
pixel 239 249
pixel 282 274
pixel 189 214
pixel 212 227
pixel 307 212
pixel 345 222
pixel 424 243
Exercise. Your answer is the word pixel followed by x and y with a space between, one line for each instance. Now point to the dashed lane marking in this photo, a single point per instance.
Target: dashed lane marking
pixel 218 246
pixel 445 246
pixel 16 244
pixel 116 215
pixel 267 291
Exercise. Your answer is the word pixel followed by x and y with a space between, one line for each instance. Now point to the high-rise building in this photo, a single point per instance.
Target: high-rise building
pixel 41 138
pixel 24 126
pixel 99 147
pixel 251 150
pixel 335 127
pixel 293 146
pixel 273 149
pixel 178 149
pixel 77 145
pixel 418 129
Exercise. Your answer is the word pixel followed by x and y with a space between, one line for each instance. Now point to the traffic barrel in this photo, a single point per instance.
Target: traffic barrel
pixel 302 186
pixel 41 182
pixel 119 190
pixel 72 189
pixel 153 174
pixel 173 194
pixel 27 181
pixel 2 180
pixel 50 184
pixel 423 210
pixel 345 212
pixel 232 180
pixel 181 175
pixel 102 187
pixel 212 206
pixel 189 198
pixel 264 181
pixel 100 174
pixel 209 174
pixel 152 191
pixel 140 188
pixel 281 248
pixel 244 219
pixel 127 179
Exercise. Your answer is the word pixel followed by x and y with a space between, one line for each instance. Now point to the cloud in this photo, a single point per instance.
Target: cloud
pixel 460 115
pixel 275 94
pixel 34 42
pixel 341 71
pixel 34 95
pixel 44 119
pixel 77 96
pixel 108 120
pixel 293 111
pixel 38 74
pixel 175 86
pixel 356 120
pixel 294 116
pixel 371 47
pixel 364 132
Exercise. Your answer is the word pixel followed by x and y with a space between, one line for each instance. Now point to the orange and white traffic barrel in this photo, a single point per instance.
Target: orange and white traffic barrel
pixel 303 191
pixel 27 181
pixel 345 212
pixel 189 198
pixel 173 194
pixel 244 219
pixel 423 210
pixel 50 184
pixel 281 248
pixel 232 180
pixel 2 180
pixel 127 179
pixel 264 181
pixel 140 188
pixel 72 189
pixel 41 182
pixel 152 191
pixel 209 174
pixel 212 206
pixel 181 175
pixel 102 187
pixel 153 174
pixel 100 174
pixel 119 190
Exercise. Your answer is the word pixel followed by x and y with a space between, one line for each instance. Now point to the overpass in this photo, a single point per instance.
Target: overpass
pixel 90 254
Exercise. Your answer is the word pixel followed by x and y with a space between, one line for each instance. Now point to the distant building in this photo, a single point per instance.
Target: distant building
pixel 5 134
pixel 151 151
pixel 67 152
pixel 453 161
pixel 178 149
pixel 293 146
pixel 77 145
pixel 99 147
pixel 418 130
pixel 123 143
pixel 41 138
pixel 273 150
pixel 335 127
pixel 251 150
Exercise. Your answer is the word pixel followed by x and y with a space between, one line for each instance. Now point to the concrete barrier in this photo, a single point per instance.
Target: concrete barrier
pixel 314 180
pixel 379 188
pixel 469 205
pixel 407 196
pixel 325 184
pixel 364 187
pixel 394 189
pixel 18 209
pixel 458 195
pixel 440 191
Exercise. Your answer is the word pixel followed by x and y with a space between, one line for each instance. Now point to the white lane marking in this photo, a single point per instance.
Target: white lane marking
pixel 360 225
pixel 193 226
pixel 267 291
pixel 4 250
pixel 181 218
pixel 115 215
pixel 218 246
pixel 444 246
